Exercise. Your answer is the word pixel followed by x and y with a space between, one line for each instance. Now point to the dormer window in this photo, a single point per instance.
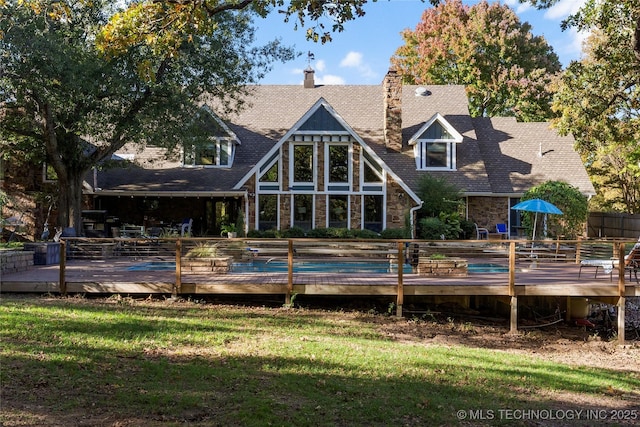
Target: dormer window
pixel 218 153
pixel 434 145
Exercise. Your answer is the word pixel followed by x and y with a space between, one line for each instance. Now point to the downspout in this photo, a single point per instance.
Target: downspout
pixel 412 212
pixel 246 212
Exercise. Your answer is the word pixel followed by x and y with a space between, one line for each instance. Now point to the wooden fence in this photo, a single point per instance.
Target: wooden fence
pixel 610 224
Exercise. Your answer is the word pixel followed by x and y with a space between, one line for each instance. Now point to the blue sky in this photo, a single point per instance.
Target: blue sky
pixel 360 54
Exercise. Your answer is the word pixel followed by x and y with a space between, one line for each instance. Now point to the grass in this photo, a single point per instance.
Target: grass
pixel 133 362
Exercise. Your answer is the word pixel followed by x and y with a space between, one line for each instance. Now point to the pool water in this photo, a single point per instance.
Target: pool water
pixel 487 268
pixel 281 266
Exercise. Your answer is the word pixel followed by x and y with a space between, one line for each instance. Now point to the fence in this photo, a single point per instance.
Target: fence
pixel 610 224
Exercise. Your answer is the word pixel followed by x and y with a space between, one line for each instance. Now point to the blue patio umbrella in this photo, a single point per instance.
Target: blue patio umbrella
pixel 537 206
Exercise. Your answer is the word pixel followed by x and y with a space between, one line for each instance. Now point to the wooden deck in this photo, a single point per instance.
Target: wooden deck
pixel 112 276
pixel 550 274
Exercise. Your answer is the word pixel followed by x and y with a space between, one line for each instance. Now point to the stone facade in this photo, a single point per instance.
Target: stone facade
pixel 488 211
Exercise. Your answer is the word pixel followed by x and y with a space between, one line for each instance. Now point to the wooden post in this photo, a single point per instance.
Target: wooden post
pixel 287 299
pixel 621 295
pixel 62 281
pixel 400 296
pixel 513 322
pixel 178 286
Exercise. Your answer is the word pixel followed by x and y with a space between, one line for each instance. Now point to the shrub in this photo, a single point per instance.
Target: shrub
pixel 468 229
pixel 395 233
pixel 431 228
pixel 294 232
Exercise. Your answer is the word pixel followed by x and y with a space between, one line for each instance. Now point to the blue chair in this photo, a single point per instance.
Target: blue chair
pixel 502 230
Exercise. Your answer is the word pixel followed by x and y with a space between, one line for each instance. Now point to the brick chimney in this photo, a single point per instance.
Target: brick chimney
pixel 392 87
pixel 309 82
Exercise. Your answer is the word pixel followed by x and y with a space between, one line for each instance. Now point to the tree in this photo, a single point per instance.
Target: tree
pixel 78 80
pixel 438 215
pixel 506 69
pixel 568 199
pixel 598 99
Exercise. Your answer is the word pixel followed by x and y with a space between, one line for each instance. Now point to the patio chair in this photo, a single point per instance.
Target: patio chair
pixel 186 227
pixel 502 231
pixel 481 233
pixel 632 261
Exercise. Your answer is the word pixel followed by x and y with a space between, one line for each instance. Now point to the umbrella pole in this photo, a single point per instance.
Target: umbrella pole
pixel 533 238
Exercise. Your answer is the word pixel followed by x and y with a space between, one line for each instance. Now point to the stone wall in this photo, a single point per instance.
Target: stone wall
pixel 489 211
pixel 15 261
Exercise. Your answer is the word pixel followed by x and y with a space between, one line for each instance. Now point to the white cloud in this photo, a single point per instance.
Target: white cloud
pixel 321 65
pixel 353 59
pixel 564 8
pixel 329 79
pixel 517 6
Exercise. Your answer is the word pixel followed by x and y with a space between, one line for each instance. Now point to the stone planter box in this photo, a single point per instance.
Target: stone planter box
pixel 206 265
pixel 15 261
pixel 456 267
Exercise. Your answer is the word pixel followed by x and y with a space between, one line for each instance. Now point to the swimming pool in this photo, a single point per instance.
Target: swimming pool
pixel 282 266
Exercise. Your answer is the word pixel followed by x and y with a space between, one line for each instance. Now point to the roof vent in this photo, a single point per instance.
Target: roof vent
pixel 422 91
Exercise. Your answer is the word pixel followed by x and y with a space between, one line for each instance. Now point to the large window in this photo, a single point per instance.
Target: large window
pixel 267 212
pixel 303 211
pixel 338 211
pixel 338 163
pixel 373 212
pixel 303 163
pixel 217 153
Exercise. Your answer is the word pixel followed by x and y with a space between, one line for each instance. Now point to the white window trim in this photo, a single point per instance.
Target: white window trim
pixel 349 182
pixel 292 218
pixel 314 182
pixel 256 224
pixel 218 142
pixel 328 207
pixel 384 211
pixel 259 189
pixel 363 183
pixel 420 154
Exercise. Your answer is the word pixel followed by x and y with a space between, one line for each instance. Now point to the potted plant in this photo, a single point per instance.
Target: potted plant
pixel 229 230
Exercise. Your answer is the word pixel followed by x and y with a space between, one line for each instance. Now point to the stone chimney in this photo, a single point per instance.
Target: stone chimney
pixel 392 87
pixel 309 82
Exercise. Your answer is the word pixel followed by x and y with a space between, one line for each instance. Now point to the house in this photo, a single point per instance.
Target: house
pixel 313 156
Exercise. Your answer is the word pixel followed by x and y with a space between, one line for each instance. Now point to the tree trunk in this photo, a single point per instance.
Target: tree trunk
pixel 70 202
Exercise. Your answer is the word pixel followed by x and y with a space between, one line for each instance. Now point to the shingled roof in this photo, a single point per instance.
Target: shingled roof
pixel 496 156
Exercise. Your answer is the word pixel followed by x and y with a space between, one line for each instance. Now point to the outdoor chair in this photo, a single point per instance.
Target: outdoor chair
pixel 186 227
pixel 631 264
pixel 502 231
pixel 481 233
pixel 632 261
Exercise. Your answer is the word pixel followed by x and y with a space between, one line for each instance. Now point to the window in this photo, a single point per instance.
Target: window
pixel 435 155
pixel 268 212
pixel 373 212
pixel 435 145
pixel 217 153
pixel 303 164
pixel 338 211
pixel 303 211
pixel 338 163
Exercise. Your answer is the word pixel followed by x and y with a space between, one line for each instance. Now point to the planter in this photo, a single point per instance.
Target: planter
pixel 454 267
pixel 232 234
pixel 44 253
pixel 206 265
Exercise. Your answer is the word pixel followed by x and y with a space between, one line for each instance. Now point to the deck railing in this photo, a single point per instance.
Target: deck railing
pixel 515 256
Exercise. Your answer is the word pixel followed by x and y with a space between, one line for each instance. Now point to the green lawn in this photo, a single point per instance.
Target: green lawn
pixel 126 362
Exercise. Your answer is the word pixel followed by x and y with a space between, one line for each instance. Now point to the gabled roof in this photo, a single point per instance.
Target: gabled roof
pixel 496 156
pixel 437 118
